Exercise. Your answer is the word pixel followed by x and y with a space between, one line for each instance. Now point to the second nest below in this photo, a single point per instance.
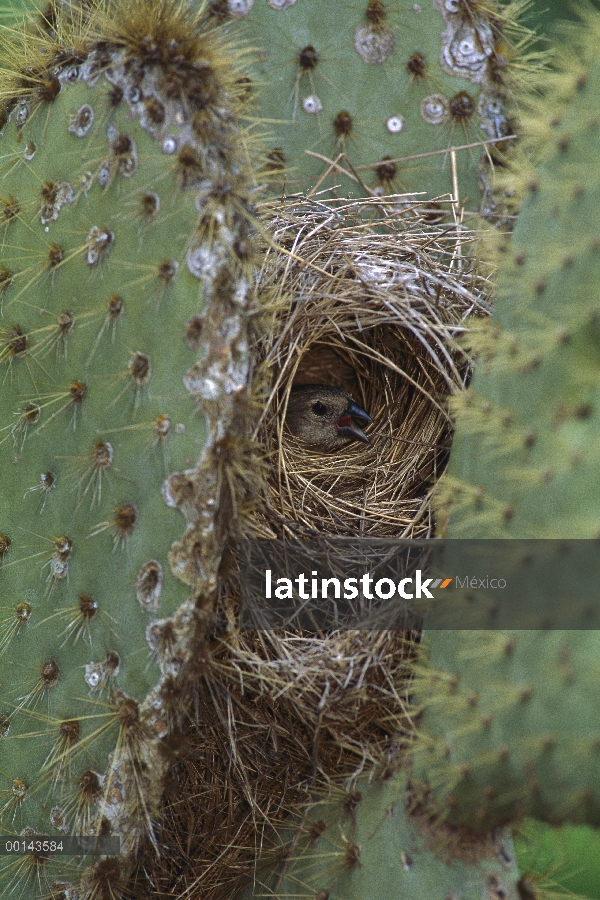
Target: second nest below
pixel 371 299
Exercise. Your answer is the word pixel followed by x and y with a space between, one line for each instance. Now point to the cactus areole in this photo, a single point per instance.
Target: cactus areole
pixel 127 248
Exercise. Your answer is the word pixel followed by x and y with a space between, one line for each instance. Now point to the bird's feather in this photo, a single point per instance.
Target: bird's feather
pixel 325 417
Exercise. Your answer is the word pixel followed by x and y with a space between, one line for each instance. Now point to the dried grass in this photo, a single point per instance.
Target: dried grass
pixel 371 298
pixel 278 718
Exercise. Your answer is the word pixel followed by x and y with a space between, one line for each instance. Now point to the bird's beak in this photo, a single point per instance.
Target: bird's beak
pixel 347 426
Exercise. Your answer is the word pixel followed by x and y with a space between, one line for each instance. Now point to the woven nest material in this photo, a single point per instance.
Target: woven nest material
pixel 374 298
pixel 278 717
pixel 370 299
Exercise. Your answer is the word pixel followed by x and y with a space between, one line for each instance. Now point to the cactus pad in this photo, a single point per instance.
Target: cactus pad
pixel 126 246
pixel 508 729
pixel 515 717
pixel 374 841
pixel 371 101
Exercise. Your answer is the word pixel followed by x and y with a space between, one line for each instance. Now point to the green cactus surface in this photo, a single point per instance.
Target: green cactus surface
pixel 126 256
pixel 510 725
pixel 375 843
pixel 508 729
pixel 369 96
pixel 125 227
pixel 566 857
pixel 525 456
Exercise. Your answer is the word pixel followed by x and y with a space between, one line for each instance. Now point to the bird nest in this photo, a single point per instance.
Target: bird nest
pixel 373 298
pixel 368 297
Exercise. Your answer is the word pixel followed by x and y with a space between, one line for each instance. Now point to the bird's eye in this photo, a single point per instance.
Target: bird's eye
pixel 319 408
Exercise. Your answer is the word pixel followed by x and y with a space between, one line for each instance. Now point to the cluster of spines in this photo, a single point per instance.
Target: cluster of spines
pixel 376 836
pixel 482 47
pixel 156 56
pixel 536 335
pixel 523 465
pixel 487 749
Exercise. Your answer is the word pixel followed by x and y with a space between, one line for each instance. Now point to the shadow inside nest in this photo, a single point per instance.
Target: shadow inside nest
pixel 373 307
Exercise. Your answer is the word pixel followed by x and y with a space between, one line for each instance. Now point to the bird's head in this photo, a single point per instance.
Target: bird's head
pixel 325 417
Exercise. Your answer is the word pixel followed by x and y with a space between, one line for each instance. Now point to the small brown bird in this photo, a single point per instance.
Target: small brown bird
pixel 325 417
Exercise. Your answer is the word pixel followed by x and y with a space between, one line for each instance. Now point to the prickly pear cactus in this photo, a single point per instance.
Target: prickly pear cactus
pixel 126 251
pixel 526 451
pixel 370 96
pixel 376 841
pixel 509 728
pixel 516 717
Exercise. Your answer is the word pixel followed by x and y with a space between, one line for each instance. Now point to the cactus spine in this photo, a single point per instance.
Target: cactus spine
pixel 376 841
pixel 126 260
pixel 524 464
pixel 368 98
pixel 127 253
